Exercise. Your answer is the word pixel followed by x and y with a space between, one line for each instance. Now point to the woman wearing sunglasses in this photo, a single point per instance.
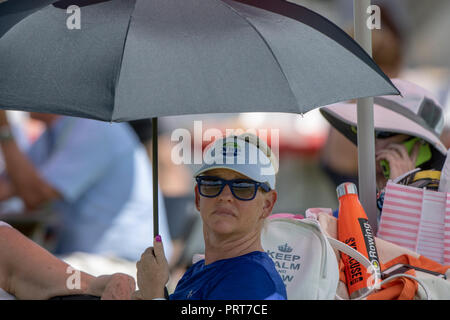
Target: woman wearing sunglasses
pixel 407 134
pixel 235 193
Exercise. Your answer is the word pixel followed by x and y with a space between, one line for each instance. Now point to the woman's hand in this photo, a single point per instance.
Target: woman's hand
pixel 400 162
pixel 152 271
pixel 118 286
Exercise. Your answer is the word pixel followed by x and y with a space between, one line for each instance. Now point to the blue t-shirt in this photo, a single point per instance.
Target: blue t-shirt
pixel 248 277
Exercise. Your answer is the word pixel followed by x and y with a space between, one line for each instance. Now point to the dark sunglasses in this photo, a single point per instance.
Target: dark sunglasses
pixel 379 134
pixel 384 134
pixel 242 189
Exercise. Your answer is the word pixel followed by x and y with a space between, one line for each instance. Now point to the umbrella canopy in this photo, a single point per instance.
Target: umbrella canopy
pixel 13 11
pixel 141 59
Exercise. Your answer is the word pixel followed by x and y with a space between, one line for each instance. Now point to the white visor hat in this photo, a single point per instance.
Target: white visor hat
pixel 240 156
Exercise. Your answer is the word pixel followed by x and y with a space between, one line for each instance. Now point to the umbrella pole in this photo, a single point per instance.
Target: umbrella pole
pixel 155 175
pixel 366 138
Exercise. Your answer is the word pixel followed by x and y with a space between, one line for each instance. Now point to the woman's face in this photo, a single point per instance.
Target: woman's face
pixel 394 152
pixel 225 215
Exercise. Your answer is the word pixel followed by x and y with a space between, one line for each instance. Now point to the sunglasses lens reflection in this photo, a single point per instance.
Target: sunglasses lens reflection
pixel 242 190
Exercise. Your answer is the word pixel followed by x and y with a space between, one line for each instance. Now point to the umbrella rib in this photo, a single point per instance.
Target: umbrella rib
pixel 265 43
pixel 121 59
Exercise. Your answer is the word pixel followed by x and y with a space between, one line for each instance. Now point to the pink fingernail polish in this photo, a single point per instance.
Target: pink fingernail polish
pixel 158 238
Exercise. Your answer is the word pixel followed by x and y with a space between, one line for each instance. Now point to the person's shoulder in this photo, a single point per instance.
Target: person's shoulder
pixel 255 265
pixel 257 257
pixel 119 134
pixel 98 125
pixel 197 266
pixel 257 268
pixel 247 277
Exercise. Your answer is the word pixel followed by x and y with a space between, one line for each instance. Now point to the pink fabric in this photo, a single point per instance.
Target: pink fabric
pixel 286 215
pixel 417 219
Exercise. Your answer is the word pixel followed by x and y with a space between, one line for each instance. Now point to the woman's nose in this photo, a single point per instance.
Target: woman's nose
pixel 226 193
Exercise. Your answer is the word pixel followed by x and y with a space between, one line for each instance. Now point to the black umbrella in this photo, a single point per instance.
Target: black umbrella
pixel 146 59
pixel 13 11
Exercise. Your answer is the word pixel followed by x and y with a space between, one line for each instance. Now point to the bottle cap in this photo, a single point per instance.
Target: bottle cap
pixel 346 188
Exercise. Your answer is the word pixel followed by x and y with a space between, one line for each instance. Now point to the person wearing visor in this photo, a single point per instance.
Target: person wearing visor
pixel 407 131
pixel 235 193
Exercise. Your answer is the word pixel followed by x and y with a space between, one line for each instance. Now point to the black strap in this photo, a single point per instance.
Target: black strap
pixel 166 293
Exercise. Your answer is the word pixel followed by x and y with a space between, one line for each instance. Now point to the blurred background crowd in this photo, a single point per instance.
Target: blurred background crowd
pixel 412 44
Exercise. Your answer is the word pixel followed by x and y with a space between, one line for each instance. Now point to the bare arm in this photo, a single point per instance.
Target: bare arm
pixel 28 271
pixel 23 176
pixel 6 189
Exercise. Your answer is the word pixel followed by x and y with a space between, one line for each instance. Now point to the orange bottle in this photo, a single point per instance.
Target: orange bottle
pixel 354 230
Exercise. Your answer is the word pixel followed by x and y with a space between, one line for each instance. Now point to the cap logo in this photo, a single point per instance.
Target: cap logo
pixel 230 149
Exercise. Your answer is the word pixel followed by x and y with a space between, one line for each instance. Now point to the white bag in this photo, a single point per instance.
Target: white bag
pixel 304 257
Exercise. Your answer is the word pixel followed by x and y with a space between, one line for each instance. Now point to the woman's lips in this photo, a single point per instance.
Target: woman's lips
pixel 224 212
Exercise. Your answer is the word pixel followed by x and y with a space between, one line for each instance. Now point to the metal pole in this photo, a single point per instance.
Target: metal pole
pixel 155 175
pixel 366 138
